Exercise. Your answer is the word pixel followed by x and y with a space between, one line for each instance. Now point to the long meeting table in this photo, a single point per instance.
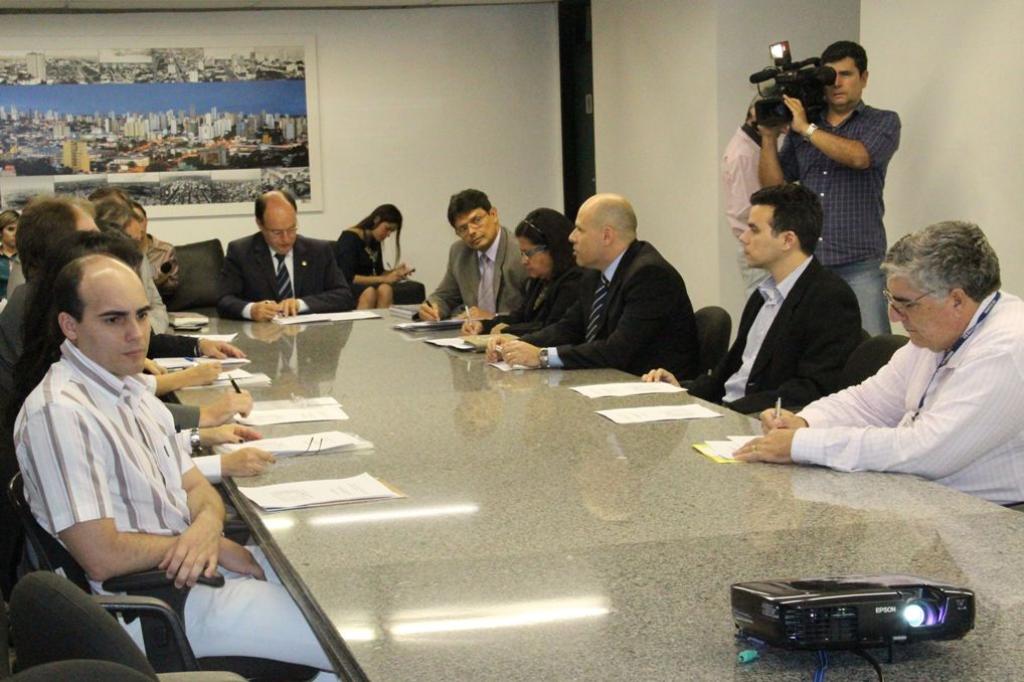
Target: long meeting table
pixel 540 541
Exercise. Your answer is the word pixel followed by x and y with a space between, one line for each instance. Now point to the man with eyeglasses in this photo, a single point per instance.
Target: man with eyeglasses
pixel 277 271
pixel 949 406
pixel 485 274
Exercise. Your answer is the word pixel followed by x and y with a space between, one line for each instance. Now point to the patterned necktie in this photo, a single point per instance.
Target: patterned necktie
pixel 485 292
pixel 600 298
pixel 284 282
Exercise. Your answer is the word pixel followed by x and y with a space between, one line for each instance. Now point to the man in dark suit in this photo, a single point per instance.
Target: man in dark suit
pixel 633 308
pixel 279 272
pixel 799 327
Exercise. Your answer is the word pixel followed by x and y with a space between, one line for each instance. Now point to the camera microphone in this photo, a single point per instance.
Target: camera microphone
pixel 764 75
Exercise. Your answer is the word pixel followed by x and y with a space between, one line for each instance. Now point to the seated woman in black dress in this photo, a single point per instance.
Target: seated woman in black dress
pixel 358 252
pixel 543 238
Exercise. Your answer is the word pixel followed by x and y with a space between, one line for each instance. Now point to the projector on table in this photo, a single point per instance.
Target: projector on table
pixel 851 612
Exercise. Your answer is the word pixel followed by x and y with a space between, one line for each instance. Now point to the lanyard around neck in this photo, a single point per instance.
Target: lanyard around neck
pixel 955 347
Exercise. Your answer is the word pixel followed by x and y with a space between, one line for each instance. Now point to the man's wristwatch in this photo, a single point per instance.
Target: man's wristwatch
pixel 194 441
pixel 542 358
pixel 810 131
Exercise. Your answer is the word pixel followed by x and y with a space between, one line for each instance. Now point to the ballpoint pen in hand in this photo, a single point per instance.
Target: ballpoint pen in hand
pixel 234 385
pixel 778 408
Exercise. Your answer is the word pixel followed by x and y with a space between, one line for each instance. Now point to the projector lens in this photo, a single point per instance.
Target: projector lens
pixel 914 614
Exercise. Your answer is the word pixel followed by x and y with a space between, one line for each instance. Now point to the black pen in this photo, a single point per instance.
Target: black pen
pixel 234 385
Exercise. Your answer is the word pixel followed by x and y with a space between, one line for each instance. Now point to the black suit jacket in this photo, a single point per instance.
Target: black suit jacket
pixel 250 274
pixel 803 354
pixel 647 322
pixel 559 295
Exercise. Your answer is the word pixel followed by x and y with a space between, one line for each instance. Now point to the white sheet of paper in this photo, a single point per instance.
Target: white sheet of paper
pixel 361 488
pixel 626 388
pixel 505 367
pixel 303 443
pixel 227 338
pixel 727 448
pixel 451 342
pixel 292 415
pixel 185 363
pixel 327 317
pixel 658 413
pixel 241 377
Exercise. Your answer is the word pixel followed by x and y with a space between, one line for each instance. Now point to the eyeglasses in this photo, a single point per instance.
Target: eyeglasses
pixel 530 253
pixel 474 222
pixel 903 306
pixel 278 234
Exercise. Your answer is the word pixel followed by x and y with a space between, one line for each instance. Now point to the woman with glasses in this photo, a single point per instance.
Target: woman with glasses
pixel 553 283
pixel 8 247
pixel 358 252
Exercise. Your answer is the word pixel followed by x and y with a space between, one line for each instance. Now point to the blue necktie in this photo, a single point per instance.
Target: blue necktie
pixel 600 298
pixel 284 282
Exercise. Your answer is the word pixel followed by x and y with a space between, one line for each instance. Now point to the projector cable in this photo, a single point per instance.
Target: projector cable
pixel 873 661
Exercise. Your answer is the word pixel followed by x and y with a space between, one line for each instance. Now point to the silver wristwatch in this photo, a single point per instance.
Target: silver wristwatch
pixel 542 358
pixel 194 441
pixel 810 131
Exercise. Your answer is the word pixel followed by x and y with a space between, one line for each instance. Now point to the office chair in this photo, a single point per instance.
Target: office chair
pixel 88 671
pixel 870 356
pixel 161 610
pixel 714 326
pixel 199 265
pixel 53 620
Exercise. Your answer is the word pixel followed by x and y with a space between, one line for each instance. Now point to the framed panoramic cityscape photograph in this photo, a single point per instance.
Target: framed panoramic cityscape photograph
pixel 185 128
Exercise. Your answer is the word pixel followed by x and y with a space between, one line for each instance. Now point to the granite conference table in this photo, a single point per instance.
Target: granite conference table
pixel 539 540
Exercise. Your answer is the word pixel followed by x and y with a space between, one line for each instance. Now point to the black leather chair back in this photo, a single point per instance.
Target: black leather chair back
pixel 870 356
pixel 80 670
pixel 199 266
pixel 714 326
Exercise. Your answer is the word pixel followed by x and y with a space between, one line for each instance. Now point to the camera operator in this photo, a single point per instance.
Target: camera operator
pixel 842 157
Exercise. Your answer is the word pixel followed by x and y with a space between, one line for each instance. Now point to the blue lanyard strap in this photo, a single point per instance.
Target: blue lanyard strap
pixel 955 347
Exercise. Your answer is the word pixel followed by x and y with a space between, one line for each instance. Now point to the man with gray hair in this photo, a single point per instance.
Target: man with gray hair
pixel 949 406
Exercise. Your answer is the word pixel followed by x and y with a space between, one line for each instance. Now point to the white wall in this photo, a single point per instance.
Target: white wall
pixel 415 104
pixel 948 68
pixel 670 88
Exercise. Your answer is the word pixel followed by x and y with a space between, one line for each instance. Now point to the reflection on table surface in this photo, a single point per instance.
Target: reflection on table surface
pixel 538 540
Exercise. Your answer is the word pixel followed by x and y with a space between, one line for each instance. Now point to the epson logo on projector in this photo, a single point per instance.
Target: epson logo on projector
pixel 885 609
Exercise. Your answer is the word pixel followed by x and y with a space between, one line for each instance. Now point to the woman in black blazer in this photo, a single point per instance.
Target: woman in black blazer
pixel 543 238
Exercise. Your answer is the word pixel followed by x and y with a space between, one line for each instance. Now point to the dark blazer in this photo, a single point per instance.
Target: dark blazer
pixel 803 354
pixel 648 320
pixel 559 295
pixel 250 274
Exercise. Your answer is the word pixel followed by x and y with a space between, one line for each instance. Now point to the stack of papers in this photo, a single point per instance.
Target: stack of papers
pixel 171 364
pixel 188 320
pixel 361 488
pixel 406 311
pixel 660 413
pixel 505 367
pixel 293 412
pixel 626 388
pixel 303 444
pixel 429 325
pixel 722 451
pixel 241 377
pixel 228 338
pixel 327 317
pixel 456 342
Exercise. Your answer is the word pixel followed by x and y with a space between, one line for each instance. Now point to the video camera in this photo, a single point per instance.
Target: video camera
pixel 804 80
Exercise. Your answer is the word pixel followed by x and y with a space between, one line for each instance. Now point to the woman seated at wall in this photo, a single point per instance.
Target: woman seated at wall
pixel 8 247
pixel 359 256
pixel 543 238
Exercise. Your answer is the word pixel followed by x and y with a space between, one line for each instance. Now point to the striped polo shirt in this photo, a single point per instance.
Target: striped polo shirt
pixel 94 446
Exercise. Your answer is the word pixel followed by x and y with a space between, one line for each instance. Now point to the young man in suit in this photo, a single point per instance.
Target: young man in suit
pixel 485 272
pixel 279 272
pixel 633 312
pixel 801 324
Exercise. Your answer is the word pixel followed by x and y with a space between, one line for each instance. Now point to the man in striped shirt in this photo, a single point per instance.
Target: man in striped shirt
pixel 105 475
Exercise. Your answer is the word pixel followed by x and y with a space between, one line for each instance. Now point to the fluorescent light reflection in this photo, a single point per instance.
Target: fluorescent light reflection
pixel 499 616
pixel 358 634
pixel 399 514
pixel 278 522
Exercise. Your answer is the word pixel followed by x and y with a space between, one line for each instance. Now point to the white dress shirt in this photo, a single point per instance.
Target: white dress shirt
pixel 969 434
pixel 774 295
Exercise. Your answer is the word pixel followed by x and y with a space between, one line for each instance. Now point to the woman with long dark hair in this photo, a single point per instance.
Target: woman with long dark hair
pixel 543 237
pixel 360 257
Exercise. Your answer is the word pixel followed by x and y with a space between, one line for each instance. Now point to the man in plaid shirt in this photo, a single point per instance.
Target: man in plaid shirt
pixel 842 157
